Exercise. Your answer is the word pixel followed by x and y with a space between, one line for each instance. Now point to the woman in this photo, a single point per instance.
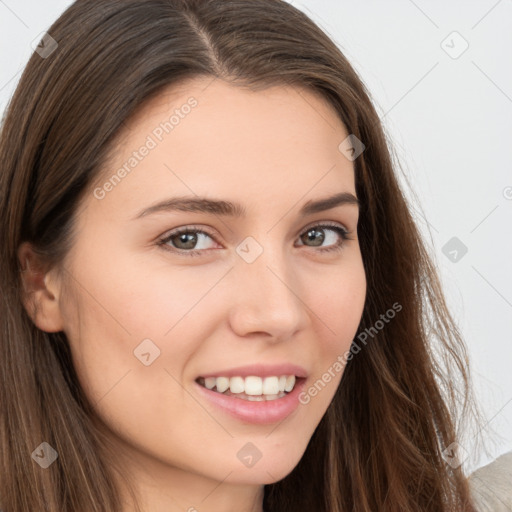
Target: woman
pixel 169 340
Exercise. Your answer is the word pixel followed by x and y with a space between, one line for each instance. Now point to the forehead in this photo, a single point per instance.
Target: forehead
pixel 215 94
pixel 206 136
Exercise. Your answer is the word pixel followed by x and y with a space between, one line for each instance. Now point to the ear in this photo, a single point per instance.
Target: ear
pixel 41 294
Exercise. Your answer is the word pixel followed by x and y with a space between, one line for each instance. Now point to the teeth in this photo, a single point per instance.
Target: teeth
pixel 252 386
pixel 210 382
pixel 270 386
pixel 290 382
pixel 236 385
pixel 255 398
pixel 222 384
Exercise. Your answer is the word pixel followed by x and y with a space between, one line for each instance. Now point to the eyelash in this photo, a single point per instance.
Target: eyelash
pixel 344 234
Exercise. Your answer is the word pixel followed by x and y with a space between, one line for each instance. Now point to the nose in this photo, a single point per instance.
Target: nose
pixel 267 298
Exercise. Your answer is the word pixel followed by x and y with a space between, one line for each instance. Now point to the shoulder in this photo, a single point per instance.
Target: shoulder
pixel 491 485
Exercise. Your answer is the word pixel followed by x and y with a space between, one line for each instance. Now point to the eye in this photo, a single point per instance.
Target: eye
pixel 317 235
pixel 187 239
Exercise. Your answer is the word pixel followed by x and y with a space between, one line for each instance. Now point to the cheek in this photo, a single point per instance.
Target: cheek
pixel 154 296
pixel 126 316
pixel 130 371
pixel 339 304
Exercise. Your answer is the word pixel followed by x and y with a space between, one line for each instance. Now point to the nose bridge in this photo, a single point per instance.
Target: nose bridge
pixel 267 292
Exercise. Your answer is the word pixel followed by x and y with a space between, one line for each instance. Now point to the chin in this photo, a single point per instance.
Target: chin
pixel 263 472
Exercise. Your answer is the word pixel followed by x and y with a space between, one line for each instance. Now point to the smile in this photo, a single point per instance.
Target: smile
pixel 252 388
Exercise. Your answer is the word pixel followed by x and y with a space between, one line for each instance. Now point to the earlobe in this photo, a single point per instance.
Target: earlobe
pixel 40 293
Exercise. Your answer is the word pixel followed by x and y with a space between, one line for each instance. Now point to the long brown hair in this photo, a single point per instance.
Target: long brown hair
pixel 379 447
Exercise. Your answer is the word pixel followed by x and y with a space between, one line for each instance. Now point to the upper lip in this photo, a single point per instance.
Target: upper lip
pixel 261 370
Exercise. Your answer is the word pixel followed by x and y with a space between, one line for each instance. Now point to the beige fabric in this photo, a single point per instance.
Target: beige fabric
pixel 491 485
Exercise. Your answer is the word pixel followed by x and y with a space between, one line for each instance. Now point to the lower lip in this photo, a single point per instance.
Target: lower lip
pixel 264 412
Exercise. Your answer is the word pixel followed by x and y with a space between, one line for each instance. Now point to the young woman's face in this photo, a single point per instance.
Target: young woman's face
pixel 265 288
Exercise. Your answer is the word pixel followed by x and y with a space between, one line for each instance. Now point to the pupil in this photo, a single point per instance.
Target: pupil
pixel 192 240
pixel 311 236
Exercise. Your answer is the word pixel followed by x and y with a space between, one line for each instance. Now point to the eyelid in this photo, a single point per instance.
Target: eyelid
pixel 205 229
pixel 162 240
pixel 327 223
pixel 185 229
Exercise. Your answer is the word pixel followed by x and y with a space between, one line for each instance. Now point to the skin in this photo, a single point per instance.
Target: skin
pixel 271 151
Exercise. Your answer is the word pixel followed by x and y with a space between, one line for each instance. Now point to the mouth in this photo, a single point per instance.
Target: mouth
pixel 251 388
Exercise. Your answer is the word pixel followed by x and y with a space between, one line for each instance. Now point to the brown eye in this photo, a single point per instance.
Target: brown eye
pixel 186 240
pixel 317 235
pixel 191 241
pixel 314 235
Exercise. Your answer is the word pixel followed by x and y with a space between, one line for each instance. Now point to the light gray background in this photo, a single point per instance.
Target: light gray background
pixel 450 120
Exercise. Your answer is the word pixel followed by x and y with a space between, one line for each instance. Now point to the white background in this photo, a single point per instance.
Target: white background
pixel 450 120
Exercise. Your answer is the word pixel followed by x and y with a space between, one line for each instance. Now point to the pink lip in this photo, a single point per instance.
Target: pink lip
pixel 260 370
pixel 265 412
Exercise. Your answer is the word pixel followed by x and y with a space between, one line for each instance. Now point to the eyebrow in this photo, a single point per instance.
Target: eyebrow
pixel 230 209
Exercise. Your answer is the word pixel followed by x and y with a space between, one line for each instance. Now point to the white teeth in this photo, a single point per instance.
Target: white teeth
pixel 270 386
pixel 210 382
pixel 290 382
pixel 222 384
pixel 252 386
pixel 236 385
pixel 255 398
